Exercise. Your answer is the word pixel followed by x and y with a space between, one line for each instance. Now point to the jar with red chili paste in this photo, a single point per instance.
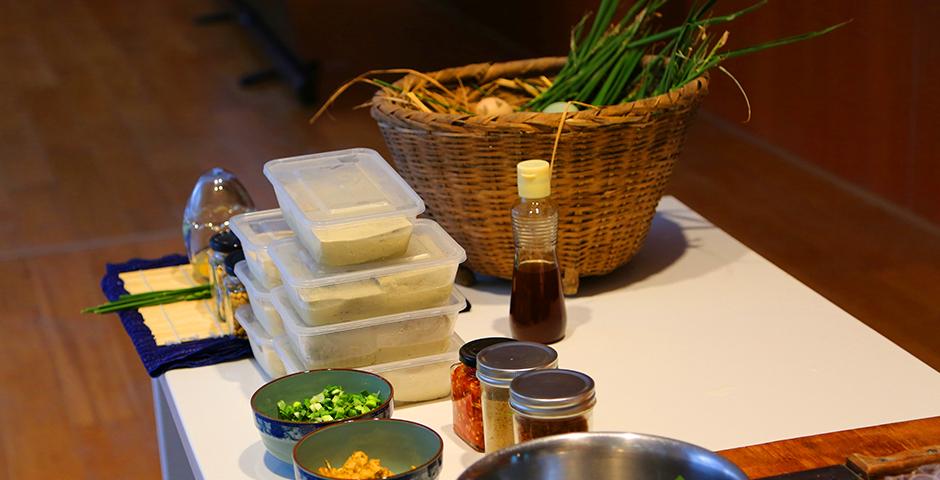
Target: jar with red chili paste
pixel 465 392
pixel 550 402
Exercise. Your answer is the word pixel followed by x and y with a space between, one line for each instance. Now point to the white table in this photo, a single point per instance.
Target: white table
pixel 698 338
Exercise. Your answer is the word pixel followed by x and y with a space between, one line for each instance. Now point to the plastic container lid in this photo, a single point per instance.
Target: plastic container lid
pixel 253 328
pixel 453 343
pixel 342 186
pixel 258 229
pixel 292 323
pixel 499 364
pixel 553 392
pixel 224 242
pixel 292 362
pixel 430 246
pixel 262 343
pixel 469 351
pixel 256 289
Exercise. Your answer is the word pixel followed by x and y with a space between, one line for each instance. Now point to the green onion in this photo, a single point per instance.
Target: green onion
pixel 159 297
pixel 626 60
pixel 331 404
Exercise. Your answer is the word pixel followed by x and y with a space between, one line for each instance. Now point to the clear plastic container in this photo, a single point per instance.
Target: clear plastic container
pixel 256 231
pixel 370 341
pixel 346 207
pixel 261 300
pixel 262 344
pixel 288 354
pixel 421 278
pixel 414 380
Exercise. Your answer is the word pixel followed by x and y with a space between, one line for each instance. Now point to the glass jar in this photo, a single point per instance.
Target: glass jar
pixel 221 244
pixel 216 197
pixel 465 392
pixel 550 402
pixel 497 366
pixel 235 295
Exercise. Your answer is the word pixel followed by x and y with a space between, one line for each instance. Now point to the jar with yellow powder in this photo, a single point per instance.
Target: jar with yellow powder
pixel 234 293
pixel 497 366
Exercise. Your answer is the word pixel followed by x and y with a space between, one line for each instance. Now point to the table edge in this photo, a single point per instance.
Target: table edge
pixel 796 454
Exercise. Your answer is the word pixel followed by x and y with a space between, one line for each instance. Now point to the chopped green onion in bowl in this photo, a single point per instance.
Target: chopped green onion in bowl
pixel 331 404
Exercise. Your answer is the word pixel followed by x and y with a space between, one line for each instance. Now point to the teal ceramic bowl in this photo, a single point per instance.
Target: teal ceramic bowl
pixel 279 436
pixel 410 450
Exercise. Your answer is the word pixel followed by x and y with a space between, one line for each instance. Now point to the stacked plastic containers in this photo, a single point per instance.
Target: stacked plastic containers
pixel 262 343
pixel 364 283
pixel 257 230
pixel 262 323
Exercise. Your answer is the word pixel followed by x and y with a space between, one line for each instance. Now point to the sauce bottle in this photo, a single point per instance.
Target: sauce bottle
pixel 537 304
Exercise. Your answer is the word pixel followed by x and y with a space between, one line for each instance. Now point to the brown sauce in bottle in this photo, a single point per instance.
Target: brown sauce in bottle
pixel 537 304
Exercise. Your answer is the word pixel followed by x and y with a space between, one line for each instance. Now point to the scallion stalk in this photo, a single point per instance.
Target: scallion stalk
pixel 149 299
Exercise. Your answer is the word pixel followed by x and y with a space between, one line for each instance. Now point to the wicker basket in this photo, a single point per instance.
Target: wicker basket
pixel 610 171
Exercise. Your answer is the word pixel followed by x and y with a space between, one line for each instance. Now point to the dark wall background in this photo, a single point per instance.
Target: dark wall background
pixel 861 103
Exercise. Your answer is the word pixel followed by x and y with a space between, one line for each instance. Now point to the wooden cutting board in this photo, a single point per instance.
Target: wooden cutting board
pixel 816 451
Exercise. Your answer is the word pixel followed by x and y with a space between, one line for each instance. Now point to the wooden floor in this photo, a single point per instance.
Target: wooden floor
pixel 112 109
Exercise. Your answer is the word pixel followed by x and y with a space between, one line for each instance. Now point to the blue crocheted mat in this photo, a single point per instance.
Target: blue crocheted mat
pixel 159 359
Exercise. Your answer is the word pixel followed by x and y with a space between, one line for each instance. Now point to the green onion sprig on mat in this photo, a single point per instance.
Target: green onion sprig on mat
pixel 149 299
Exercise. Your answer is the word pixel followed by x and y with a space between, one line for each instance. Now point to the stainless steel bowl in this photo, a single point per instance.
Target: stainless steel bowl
pixel 604 456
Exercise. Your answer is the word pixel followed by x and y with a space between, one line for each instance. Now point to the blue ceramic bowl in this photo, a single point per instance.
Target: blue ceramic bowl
pixel 279 436
pixel 410 450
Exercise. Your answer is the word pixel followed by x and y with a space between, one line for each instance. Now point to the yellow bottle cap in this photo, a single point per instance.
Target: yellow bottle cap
pixel 534 179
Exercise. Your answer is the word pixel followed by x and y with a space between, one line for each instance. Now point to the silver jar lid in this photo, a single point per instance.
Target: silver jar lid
pixel 551 393
pixel 499 364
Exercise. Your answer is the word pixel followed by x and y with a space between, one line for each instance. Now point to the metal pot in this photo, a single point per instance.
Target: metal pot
pixel 604 456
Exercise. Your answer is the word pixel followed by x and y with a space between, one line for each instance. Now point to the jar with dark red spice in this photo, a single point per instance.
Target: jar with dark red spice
pixel 465 392
pixel 550 402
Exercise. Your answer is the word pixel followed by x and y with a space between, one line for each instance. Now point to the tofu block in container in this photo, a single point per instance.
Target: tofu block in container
pixel 256 230
pixel 375 340
pixel 414 380
pixel 262 344
pixel 423 378
pixel 260 299
pixel 346 207
pixel 422 277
